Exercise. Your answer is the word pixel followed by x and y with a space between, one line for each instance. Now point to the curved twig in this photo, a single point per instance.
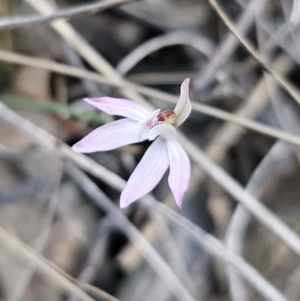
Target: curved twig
pixel 200 43
pixel 277 161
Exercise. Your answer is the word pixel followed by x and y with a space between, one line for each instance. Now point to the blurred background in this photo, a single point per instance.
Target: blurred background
pixel 66 214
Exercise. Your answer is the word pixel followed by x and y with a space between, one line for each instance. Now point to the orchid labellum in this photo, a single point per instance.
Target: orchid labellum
pixel 140 125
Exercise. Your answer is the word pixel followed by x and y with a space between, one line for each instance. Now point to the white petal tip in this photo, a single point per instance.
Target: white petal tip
pixel 185 84
pixel 179 202
pixel 125 202
pixel 76 148
pixel 123 205
pixel 88 100
pixel 92 101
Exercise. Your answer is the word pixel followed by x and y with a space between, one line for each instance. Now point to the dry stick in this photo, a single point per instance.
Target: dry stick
pixel 74 12
pixel 280 80
pixel 95 258
pixel 228 45
pixel 9 153
pixel 97 253
pixel 201 108
pixel 88 288
pixel 9 241
pixel 278 161
pixel 83 48
pixel 212 245
pixel 40 242
pixel 170 247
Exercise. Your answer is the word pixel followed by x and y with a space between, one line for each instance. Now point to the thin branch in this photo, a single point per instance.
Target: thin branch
pixel 212 245
pixel 280 80
pixel 201 108
pixel 13 154
pixel 74 12
pixel 228 45
pixel 15 245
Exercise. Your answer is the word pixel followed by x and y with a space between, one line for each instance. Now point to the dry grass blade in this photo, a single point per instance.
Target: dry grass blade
pixel 26 21
pixel 281 81
pixel 201 108
pixel 212 245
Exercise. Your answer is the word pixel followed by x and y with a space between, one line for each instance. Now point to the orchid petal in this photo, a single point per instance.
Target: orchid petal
pixel 180 170
pixel 110 136
pixel 167 131
pixel 119 107
pixel 183 107
pixel 147 173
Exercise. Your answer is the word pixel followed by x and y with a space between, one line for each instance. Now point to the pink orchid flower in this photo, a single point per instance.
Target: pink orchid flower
pixel 140 125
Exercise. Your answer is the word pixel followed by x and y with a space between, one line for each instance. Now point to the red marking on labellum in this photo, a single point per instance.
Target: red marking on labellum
pixel 166 117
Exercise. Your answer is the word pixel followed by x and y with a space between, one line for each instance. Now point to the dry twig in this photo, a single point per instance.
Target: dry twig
pixel 75 12
pixel 280 80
